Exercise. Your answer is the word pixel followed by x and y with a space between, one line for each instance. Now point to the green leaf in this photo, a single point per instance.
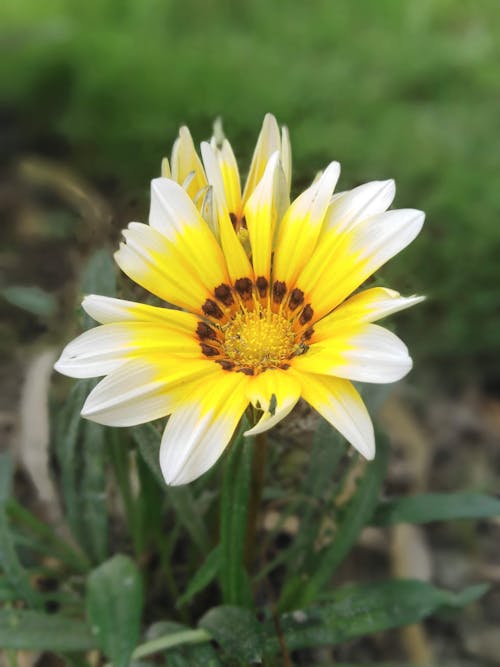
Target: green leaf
pixel 233 523
pixel 47 541
pixel 181 646
pixel 237 631
pixel 203 576
pixel 300 592
pixel 426 507
pixel 79 447
pixel 31 630
pixel 355 611
pixel 148 441
pixel 114 606
pixel 15 574
pixel 34 300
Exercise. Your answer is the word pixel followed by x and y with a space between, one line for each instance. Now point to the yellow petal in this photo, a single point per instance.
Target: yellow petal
pixel 361 352
pixel 105 348
pixel 335 270
pixel 176 217
pixel 156 264
pixel 261 216
pixel 141 391
pixel 107 310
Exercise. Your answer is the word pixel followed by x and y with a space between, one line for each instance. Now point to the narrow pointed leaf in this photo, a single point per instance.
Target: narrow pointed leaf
pixel 148 440
pixel 355 611
pixel 203 576
pixel 31 630
pixel 427 507
pixel 300 591
pixel 233 523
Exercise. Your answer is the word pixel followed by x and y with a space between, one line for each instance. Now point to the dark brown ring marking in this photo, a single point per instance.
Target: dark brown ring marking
pixel 279 291
pixel 244 288
pixel 204 331
pixel 208 350
pixel 296 298
pixel 307 314
pixel 262 285
pixel 211 309
pixel 223 293
pixel 226 364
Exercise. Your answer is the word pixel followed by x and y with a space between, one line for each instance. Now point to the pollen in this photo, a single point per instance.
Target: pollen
pixel 259 339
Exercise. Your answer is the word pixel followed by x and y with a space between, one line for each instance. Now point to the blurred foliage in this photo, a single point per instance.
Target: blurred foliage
pixel 390 89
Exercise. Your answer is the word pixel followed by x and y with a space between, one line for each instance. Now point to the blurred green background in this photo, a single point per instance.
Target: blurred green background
pixel 403 89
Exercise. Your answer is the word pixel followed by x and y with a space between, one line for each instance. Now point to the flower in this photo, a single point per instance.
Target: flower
pixel 266 304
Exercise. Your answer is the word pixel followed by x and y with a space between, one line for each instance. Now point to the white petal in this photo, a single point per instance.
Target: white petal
pixel 367 306
pixel 362 202
pixel 139 392
pixel 94 353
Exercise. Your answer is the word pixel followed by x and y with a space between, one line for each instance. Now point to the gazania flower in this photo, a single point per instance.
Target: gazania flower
pixel 262 318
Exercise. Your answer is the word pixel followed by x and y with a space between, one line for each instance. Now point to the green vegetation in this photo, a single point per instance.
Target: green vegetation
pixel 390 89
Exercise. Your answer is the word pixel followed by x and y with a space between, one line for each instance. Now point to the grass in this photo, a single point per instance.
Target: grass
pixel 390 89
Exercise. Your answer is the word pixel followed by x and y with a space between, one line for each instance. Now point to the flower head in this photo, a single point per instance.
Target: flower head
pixel 264 305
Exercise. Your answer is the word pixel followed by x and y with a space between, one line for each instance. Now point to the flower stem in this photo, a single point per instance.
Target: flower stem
pixel 256 487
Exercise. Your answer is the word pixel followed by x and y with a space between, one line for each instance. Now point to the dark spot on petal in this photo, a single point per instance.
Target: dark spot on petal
pixel 223 293
pixel 234 219
pixel 284 367
pixel 244 288
pixel 211 309
pixel 307 314
pixel 246 370
pixel 226 364
pixel 208 350
pixel 296 298
pixel 279 291
pixel 204 331
pixel 307 333
pixel 262 285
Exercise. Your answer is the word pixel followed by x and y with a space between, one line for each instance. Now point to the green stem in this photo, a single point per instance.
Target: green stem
pixel 256 487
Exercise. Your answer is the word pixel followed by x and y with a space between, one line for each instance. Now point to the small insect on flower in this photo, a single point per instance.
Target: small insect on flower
pixel 263 312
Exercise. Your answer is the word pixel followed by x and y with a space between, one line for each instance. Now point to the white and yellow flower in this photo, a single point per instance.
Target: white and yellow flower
pixel 266 317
